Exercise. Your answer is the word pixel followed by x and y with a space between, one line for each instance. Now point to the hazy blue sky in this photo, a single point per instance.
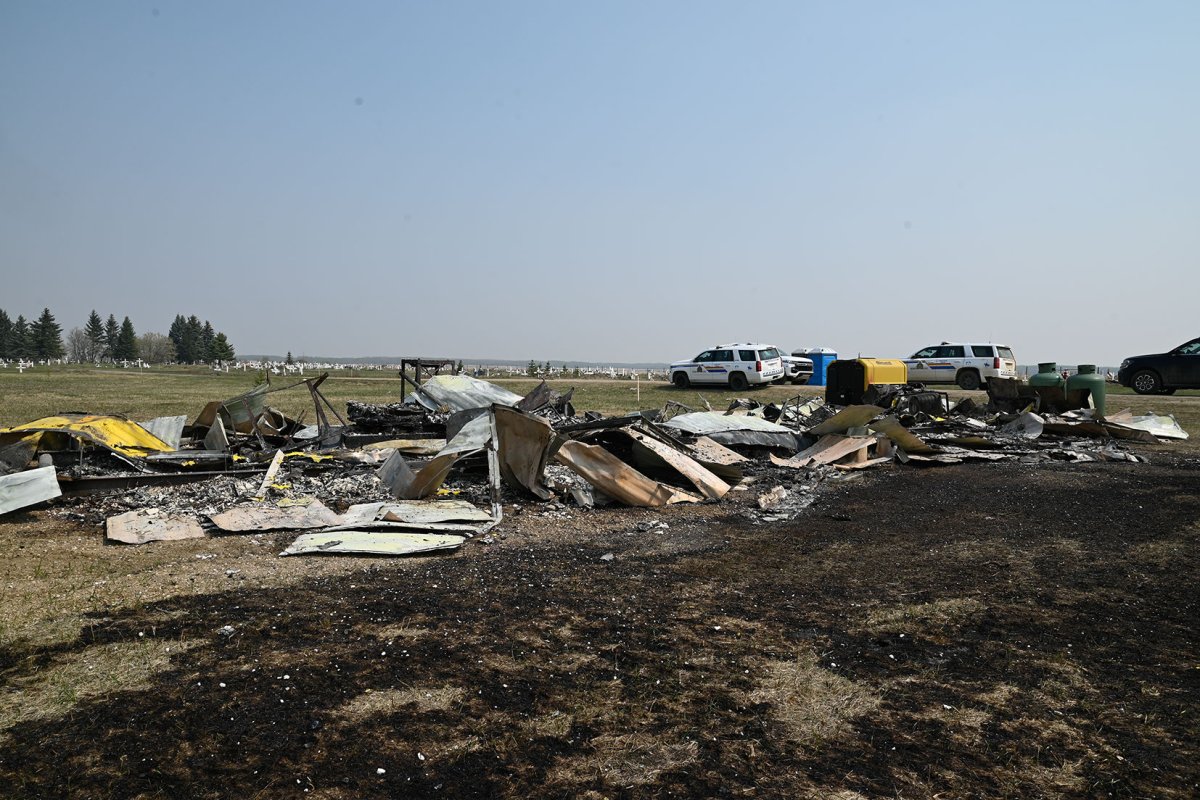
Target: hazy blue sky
pixel 608 180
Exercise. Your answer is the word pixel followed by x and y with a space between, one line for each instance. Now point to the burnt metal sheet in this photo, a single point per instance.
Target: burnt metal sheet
pixel 216 438
pixel 415 512
pixel 728 429
pixel 264 517
pixel 28 488
pixel 709 484
pixel 1162 426
pixel 538 397
pixel 407 483
pixel 718 459
pixel 617 479
pixel 827 450
pixel 152 525
pixel 849 417
pixel 902 436
pixel 1027 425
pixel 372 543
pixel 120 436
pixel 523 446
pixel 1098 430
pixel 460 393
pixel 168 429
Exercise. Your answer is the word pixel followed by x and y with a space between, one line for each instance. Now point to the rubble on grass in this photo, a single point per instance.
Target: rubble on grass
pixel 437 470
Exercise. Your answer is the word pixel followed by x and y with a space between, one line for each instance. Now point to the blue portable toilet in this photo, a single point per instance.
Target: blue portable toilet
pixel 821 358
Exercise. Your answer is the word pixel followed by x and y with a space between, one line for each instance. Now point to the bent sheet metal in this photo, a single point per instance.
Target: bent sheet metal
pixel 617 479
pixel 122 437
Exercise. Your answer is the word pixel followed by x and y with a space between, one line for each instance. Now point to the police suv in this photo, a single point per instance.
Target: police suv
pixel 968 365
pixel 738 365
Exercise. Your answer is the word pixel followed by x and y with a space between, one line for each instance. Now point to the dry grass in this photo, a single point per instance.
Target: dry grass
pixel 633 759
pixel 813 705
pixel 99 670
pixel 423 698
pixel 939 615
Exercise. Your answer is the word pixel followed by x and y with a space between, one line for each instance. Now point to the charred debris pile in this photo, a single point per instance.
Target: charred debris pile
pixel 438 469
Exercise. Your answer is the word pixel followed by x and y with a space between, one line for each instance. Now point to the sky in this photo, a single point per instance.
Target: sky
pixel 616 181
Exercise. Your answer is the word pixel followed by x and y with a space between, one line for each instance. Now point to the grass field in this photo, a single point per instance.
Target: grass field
pixel 147 394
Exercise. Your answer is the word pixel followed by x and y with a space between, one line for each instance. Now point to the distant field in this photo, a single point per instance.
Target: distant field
pixel 181 390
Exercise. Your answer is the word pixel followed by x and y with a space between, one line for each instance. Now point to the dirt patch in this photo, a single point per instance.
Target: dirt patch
pixel 968 631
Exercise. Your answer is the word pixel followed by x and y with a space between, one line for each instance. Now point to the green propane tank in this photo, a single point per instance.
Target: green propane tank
pixel 1087 378
pixel 1047 377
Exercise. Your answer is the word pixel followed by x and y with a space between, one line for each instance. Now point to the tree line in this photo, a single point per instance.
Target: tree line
pixel 189 341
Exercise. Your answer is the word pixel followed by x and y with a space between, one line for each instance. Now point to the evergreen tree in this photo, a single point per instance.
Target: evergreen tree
pixel 289 361
pixel 175 334
pixel 192 330
pixel 126 342
pixel 94 331
pixel 207 337
pixel 47 336
pixel 222 350
pixel 6 327
pixel 19 341
pixel 112 331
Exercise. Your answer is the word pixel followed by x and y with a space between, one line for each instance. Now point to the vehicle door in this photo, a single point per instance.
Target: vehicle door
pixel 724 362
pixel 698 372
pixel 919 370
pixel 947 361
pixel 1183 365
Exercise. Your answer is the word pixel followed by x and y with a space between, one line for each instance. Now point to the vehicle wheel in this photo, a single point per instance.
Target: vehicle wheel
pixel 680 379
pixel 968 379
pixel 738 382
pixel 1146 382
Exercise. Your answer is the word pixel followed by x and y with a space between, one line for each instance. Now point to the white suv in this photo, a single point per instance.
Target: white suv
pixel 740 365
pixel 968 365
pixel 798 367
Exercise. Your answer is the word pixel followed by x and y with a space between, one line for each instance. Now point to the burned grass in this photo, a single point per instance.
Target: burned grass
pixel 972 631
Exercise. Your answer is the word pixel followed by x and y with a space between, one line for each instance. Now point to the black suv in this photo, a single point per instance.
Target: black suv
pixel 1163 373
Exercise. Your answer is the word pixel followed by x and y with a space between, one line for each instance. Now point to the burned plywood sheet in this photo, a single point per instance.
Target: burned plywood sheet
pixel 28 488
pixel 152 525
pixel 618 480
pixel 268 517
pixel 374 543
pixel 734 430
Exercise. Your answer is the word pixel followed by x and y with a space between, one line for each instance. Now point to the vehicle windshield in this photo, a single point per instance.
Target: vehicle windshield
pixel 769 353
pixel 1190 349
